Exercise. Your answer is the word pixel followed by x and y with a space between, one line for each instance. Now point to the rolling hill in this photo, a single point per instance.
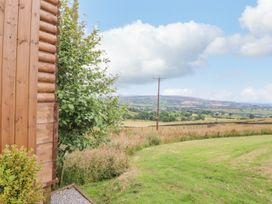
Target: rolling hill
pixel 181 103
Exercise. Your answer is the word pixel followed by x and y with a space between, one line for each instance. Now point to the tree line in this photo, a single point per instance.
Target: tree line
pixel 165 115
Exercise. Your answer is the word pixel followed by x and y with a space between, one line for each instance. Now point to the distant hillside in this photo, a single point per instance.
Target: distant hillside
pixel 181 103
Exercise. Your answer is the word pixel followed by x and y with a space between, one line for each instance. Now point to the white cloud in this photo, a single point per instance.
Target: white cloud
pixel 249 94
pixel 227 44
pixel 258 19
pixel 247 45
pixel 257 94
pixel 140 51
pixel 178 92
pixel 257 47
pixel 258 42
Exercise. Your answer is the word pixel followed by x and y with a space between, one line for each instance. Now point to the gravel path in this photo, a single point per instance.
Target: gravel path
pixel 68 196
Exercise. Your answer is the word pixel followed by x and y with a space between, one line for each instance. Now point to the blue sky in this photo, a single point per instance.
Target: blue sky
pixel 222 53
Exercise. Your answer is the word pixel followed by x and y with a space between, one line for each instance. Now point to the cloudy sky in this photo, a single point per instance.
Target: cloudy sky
pixel 210 49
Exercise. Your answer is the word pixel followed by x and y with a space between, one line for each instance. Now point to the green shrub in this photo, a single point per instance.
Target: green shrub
pixel 153 139
pixel 92 165
pixel 18 174
pixel 87 103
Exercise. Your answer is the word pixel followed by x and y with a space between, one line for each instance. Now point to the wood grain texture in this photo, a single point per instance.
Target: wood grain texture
pixel 45 5
pixel 47 67
pixel 9 72
pixel 47 47
pixel 2 17
pixel 33 74
pixel 22 77
pixel 48 37
pixel 49 17
pixel 46 174
pixel 46 87
pixel 47 108
pixel 47 57
pixel 45 152
pixel 55 140
pixel 45 133
pixel 47 27
pixel 46 97
pixel 46 77
pixel 28 66
pixel 45 114
pixel 55 2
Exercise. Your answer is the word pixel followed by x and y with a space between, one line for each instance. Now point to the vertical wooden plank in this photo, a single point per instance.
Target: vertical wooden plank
pixel 33 74
pixel 2 11
pixel 55 141
pixel 56 133
pixel 23 57
pixel 9 71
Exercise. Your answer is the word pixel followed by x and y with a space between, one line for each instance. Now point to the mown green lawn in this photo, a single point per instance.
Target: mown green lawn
pixel 226 170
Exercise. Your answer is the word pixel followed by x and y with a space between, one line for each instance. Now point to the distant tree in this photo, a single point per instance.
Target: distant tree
pixel 88 107
pixel 251 116
pixel 198 117
pixel 166 116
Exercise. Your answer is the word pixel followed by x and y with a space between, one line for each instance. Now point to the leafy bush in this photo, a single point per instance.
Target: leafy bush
pixel 153 139
pixel 88 107
pixel 18 174
pixel 91 165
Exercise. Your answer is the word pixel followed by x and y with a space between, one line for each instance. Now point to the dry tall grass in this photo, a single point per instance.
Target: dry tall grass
pixel 91 165
pixel 132 139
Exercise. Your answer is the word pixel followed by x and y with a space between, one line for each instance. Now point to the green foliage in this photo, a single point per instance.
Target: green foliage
pixel 18 174
pixel 165 115
pixel 88 107
pixel 94 165
pixel 153 139
pixel 251 116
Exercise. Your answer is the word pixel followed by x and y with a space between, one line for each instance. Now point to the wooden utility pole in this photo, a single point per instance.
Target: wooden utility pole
pixel 158 104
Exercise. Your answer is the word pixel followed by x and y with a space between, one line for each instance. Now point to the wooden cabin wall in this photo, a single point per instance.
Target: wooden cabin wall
pixel 47 115
pixel 28 108
pixel 18 62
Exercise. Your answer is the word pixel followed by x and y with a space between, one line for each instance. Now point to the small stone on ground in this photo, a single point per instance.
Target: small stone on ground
pixel 68 196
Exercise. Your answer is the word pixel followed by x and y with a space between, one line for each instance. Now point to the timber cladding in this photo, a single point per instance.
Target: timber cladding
pixel 28 108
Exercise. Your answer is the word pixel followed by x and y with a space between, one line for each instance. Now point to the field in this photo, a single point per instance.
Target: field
pixel 133 139
pixel 224 170
pixel 147 123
